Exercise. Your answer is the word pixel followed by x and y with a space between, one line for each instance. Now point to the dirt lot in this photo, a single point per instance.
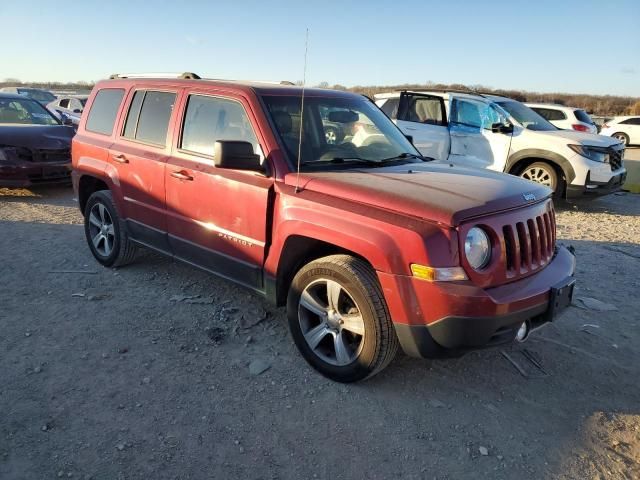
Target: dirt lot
pixel 143 373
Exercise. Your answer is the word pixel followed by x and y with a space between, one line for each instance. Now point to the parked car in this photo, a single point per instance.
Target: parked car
pixel 625 129
pixel 565 118
pixel 39 95
pixel 369 247
pixel 498 133
pixel 34 145
pixel 69 106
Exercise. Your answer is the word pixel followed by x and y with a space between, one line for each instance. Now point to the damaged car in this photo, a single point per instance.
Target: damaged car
pixel 35 147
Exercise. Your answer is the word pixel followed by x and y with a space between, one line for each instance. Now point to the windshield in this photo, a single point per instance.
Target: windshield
pixel 39 95
pixel 24 112
pixel 526 117
pixel 348 131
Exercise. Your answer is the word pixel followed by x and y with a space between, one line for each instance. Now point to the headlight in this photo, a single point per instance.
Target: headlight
pixel 597 154
pixel 477 248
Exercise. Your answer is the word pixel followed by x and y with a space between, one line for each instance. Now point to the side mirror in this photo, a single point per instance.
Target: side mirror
pixel 235 155
pixel 67 121
pixel 502 128
pixel 77 110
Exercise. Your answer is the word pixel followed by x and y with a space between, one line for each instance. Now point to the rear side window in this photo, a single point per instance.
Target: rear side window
pixel 209 119
pixel 390 107
pixel 583 116
pixel 425 110
pixel 631 121
pixel 148 117
pixel 64 103
pixel 104 110
pixel 550 114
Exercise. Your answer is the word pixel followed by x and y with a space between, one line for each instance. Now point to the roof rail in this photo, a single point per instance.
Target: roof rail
pixel 185 75
pixel 442 90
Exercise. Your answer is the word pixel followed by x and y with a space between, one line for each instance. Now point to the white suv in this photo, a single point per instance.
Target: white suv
pixel 566 118
pixel 625 129
pixel 498 133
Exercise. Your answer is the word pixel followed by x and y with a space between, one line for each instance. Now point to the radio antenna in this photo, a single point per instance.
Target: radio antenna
pixel 304 81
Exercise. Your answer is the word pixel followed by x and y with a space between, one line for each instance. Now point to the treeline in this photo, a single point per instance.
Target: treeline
pixel 603 105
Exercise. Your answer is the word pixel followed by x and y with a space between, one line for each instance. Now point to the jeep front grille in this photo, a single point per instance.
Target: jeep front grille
pixel 529 244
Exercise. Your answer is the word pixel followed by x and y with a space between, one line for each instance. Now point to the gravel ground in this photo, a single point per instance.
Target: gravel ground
pixel 150 372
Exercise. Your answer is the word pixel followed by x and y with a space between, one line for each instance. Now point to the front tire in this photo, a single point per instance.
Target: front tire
pixel 339 319
pixel 105 231
pixel 545 174
pixel 623 137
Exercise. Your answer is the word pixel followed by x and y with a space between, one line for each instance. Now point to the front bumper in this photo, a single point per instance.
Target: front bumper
pixel 439 319
pixel 593 188
pixel 27 174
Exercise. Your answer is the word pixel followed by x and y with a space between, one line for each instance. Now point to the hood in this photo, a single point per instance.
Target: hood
pixel 581 138
pixel 433 191
pixel 49 137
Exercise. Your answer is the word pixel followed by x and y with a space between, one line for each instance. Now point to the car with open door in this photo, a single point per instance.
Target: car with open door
pixel 502 134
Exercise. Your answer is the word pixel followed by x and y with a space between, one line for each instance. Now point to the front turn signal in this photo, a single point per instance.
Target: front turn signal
pixel 438 274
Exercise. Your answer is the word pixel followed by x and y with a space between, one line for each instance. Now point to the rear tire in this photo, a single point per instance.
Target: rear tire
pixel 339 319
pixel 623 137
pixel 105 231
pixel 546 174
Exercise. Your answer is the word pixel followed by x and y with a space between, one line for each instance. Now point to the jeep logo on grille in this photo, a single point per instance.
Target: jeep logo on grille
pixel 528 197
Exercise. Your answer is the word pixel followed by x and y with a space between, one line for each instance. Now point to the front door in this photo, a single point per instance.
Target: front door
pixel 473 142
pixel 217 218
pixel 424 118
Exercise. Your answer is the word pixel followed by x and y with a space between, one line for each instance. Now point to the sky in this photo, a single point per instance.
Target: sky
pixel 585 46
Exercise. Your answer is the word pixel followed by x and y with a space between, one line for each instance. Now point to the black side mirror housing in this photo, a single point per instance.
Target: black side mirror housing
pixel 77 110
pixel 235 155
pixel 502 128
pixel 67 121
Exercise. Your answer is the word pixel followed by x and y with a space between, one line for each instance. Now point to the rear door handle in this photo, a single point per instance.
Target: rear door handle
pixel 120 158
pixel 181 175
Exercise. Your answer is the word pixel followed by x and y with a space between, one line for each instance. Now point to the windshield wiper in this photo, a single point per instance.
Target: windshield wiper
pixel 404 156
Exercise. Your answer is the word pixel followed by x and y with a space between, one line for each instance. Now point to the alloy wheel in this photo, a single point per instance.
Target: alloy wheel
pixel 101 229
pixel 539 174
pixel 331 322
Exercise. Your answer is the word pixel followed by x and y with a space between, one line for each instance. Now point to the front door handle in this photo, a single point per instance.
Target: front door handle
pixel 181 175
pixel 120 158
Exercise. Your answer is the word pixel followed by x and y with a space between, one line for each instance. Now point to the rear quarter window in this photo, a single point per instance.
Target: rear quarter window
pixel 583 116
pixel 104 111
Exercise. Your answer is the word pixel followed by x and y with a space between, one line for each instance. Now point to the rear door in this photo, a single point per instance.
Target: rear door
pixel 473 143
pixel 424 118
pixel 140 154
pixel 217 217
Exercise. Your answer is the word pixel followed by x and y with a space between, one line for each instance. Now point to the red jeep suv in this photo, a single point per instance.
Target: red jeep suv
pixel 369 245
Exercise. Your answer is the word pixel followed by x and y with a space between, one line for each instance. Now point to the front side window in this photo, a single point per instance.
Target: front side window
pixel 148 117
pixel 209 119
pixel 104 110
pixel 364 135
pixel 25 112
pixel 525 116
pixel 631 121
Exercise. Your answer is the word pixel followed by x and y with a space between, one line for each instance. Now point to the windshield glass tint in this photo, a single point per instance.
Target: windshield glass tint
pixel 25 112
pixel 336 130
pixel 526 117
pixel 583 116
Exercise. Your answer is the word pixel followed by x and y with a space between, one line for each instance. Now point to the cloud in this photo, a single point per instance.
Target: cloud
pixel 628 71
pixel 193 40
